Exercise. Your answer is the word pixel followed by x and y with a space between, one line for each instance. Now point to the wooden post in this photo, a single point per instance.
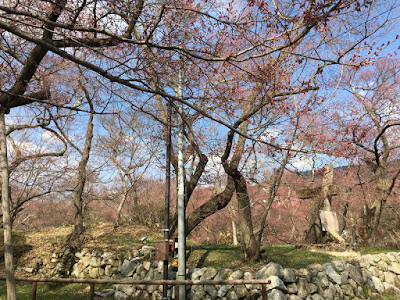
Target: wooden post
pixel 263 292
pixel 176 288
pixel 34 289
pixel 91 297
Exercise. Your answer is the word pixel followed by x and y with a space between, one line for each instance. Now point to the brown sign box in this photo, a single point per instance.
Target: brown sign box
pixel 162 252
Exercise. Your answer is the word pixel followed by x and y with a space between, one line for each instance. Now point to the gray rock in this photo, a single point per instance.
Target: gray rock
pixel 314 269
pixel 345 277
pixel 353 284
pixel 366 275
pixel 391 256
pixel 312 288
pixel 197 292
pixel 139 269
pixel 271 269
pixel 378 285
pixel 224 290
pixel 147 265
pixel 135 252
pixel 338 265
pixel 198 273
pixel 95 262
pixel 248 276
pixel 276 283
pixel 374 271
pixel 330 292
pixel 302 286
pixel 209 274
pixel 383 266
pixel 231 295
pixel 149 275
pixel 391 278
pixel 289 275
pixel 160 266
pixel 331 273
pixel 322 280
pixel 223 274
pixel 109 270
pixel 294 297
pixel 105 293
pixel 241 291
pixel 347 290
pixel 128 267
pixel 94 272
pixel 339 291
pixel 292 288
pixel 145 296
pixel 237 275
pixel 210 290
pixel 391 290
pixel 29 270
pixel 117 263
pixel 147 251
pixel 127 289
pixel 118 295
pixel 276 295
pixel 355 273
pixel 317 297
pixel 106 255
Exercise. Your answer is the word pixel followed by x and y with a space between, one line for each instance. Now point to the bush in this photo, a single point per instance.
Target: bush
pixel 149 214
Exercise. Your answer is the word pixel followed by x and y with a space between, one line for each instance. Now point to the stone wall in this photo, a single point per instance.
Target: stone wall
pixel 367 277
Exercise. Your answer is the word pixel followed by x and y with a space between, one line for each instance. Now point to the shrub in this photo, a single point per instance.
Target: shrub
pixel 149 214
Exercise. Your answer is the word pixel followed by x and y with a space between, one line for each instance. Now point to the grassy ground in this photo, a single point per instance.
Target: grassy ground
pixel 227 256
pixel 49 291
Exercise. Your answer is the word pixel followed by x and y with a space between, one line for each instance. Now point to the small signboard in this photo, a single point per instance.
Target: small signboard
pixel 162 250
pixel 329 221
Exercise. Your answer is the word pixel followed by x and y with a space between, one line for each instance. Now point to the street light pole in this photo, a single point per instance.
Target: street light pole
pixel 167 195
pixel 181 198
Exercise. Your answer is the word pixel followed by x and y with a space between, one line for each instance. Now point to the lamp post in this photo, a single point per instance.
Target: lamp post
pixel 167 196
pixel 181 197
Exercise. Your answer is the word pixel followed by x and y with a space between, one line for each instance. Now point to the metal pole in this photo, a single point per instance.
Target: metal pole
pixel 181 199
pixel 167 196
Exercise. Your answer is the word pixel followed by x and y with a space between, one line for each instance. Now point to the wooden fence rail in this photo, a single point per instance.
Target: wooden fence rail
pixel 175 283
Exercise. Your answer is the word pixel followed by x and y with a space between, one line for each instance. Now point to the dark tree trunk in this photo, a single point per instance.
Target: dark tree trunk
pixel 81 179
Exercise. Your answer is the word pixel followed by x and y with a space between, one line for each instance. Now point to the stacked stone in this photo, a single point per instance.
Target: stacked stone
pixel 369 276
pixel 94 264
pixel 136 270
pixel 247 291
pixel 97 264
pixel 385 272
pixel 58 265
